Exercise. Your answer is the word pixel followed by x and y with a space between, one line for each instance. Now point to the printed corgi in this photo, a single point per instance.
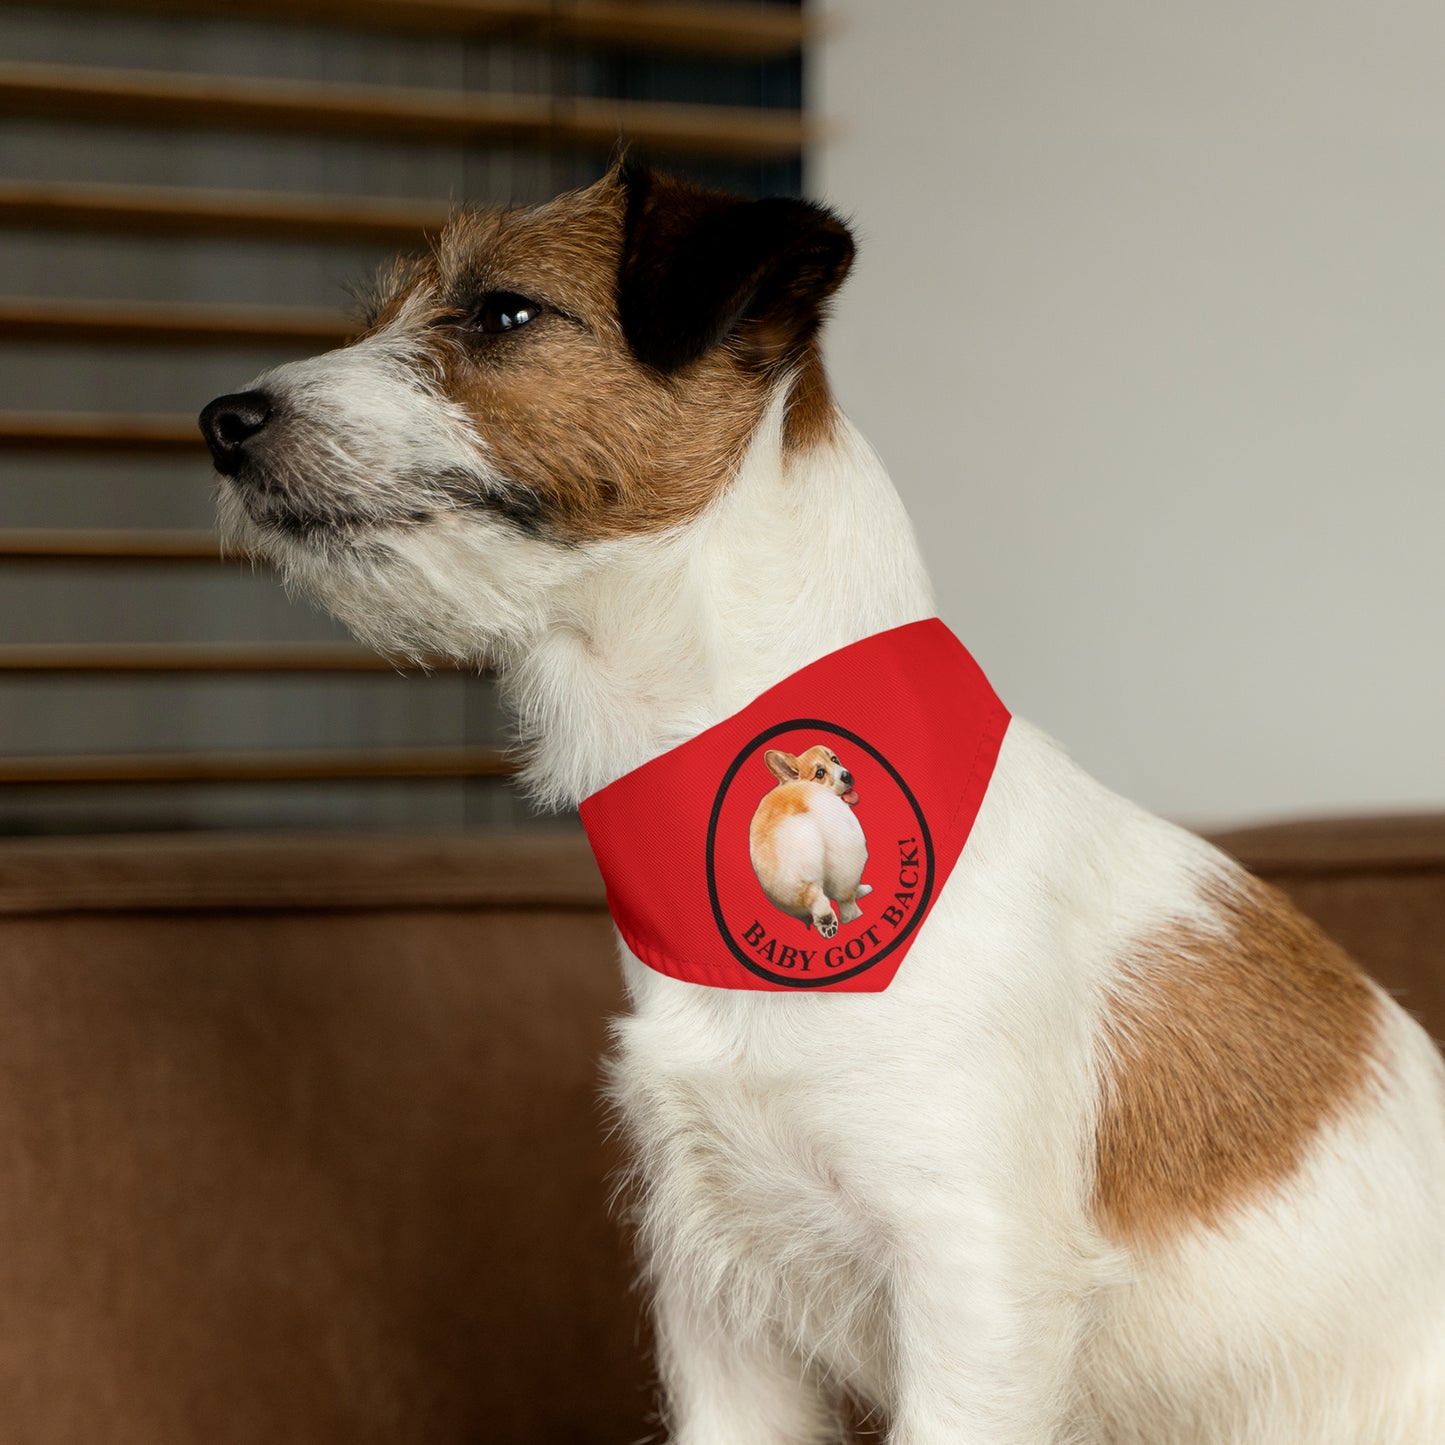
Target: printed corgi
pixel 807 847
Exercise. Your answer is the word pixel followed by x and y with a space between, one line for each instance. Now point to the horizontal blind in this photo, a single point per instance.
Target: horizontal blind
pixel 186 188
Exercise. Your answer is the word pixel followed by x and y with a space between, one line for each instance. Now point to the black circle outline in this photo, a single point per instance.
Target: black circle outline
pixel 924 835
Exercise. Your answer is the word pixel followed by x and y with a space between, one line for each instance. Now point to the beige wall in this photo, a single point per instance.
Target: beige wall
pixel 1149 323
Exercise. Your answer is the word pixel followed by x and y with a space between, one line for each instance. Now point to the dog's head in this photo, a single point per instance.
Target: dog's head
pixel 547 382
pixel 818 765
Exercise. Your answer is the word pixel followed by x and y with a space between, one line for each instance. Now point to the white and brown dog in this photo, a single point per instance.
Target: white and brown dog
pixel 807 847
pixel 1127 1152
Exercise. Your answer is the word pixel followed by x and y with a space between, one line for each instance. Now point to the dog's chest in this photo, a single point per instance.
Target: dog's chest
pixel 742 1188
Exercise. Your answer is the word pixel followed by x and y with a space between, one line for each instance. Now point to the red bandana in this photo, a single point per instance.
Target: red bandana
pixel 801 842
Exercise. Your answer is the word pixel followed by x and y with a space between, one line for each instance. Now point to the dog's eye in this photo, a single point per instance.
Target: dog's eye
pixel 504 311
pixel 820 773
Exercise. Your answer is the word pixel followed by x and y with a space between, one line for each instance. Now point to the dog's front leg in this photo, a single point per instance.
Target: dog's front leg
pixel 984 1353
pixel 723 1388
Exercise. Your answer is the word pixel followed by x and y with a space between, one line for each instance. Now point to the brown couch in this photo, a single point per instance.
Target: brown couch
pixel 301 1138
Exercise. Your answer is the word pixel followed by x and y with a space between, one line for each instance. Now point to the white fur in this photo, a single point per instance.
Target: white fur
pixel 890 1193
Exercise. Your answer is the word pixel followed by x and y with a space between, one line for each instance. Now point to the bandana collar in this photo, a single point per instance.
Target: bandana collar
pixel 801 843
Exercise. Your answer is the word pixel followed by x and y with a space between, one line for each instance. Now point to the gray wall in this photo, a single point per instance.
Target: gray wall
pixel 1149 324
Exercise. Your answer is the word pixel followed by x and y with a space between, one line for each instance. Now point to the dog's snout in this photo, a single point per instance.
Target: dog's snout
pixel 229 422
pixel 847 779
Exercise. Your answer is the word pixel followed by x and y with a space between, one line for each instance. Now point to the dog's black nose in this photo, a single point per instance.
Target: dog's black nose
pixel 847 779
pixel 229 422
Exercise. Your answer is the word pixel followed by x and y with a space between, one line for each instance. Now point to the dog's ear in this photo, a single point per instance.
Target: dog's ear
pixel 700 266
pixel 783 766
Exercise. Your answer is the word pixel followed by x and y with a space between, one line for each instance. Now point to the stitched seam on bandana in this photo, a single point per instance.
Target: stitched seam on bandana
pixel 985 737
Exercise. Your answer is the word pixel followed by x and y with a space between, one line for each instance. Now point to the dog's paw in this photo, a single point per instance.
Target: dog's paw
pixel 863 890
pixel 827 924
pixel 850 912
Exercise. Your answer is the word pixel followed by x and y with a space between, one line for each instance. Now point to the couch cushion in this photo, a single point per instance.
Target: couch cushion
pixel 303 1143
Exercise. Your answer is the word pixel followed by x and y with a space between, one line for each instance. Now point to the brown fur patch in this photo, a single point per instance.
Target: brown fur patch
pixel 812 418
pixel 1226 1054
pixel 605 445
pixel 783 802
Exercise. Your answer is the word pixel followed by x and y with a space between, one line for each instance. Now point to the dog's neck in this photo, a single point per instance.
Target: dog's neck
pixel 803 554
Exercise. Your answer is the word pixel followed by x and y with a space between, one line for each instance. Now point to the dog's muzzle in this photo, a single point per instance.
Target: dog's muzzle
pixel 229 423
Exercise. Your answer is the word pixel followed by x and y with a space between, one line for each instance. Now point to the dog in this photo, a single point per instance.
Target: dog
pixel 1128 1153
pixel 806 844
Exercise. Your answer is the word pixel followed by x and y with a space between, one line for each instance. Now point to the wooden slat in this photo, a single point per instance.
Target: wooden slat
pixel 712 29
pixel 198 657
pixel 171 323
pixel 81 431
pixel 162 872
pixel 174 210
pixel 75 544
pixel 259 767
pixel 219 102
pixel 753 32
